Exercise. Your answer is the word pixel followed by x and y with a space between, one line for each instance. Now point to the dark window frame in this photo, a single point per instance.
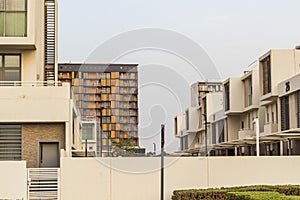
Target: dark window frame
pixel 227 96
pixel 285 113
pixel 3 68
pixel 266 75
pixel 298 107
pixel 15 11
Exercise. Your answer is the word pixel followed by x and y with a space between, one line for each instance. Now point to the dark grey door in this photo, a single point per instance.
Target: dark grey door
pixel 49 154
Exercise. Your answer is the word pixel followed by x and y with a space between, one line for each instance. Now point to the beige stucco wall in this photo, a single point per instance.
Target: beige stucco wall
pixel 13 182
pixel 233 127
pixel 33 134
pixel 253 170
pixel 236 95
pixel 30 103
pixel 255 88
pixel 214 104
pixel 181 125
pixel 193 118
pixel 139 178
pixel 284 64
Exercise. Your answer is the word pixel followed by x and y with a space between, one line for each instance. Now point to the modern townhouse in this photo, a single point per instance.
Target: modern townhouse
pixel 264 102
pixel 279 71
pixel 38 122
pixel 194 124
pixel 241 108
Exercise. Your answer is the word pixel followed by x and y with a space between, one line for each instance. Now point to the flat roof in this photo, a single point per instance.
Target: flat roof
pixel 97 67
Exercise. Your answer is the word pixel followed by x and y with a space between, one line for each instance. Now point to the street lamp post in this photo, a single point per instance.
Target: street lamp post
pixel 108 143
pixel 162 154
pixel 154 148
pixel 205 129
pixel 101 132
pixel 205 125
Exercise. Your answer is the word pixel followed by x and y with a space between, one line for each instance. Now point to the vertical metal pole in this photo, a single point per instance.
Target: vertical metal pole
pixel 101 133
pixel 85 147
pixel 108 143
pixel 162 162
pixel 256 121
pixel 206 151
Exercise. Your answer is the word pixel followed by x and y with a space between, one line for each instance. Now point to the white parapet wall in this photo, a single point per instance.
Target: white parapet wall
pixel 13 181
pixel 139 178
pixel 34 102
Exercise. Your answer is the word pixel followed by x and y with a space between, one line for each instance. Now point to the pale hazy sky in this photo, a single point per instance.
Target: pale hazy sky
pixel 232 32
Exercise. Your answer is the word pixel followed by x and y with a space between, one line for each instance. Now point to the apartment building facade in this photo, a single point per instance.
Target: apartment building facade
pixel 264 102
pixel 38 122
pixel 192 126
pixel 279 70
pixel 108 92
pixel 241 108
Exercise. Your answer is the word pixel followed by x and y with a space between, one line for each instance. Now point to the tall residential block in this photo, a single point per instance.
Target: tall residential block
pixel 110 93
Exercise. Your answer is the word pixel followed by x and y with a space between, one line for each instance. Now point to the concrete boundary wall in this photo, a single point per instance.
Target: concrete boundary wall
pixel 13 181
pixel 139 178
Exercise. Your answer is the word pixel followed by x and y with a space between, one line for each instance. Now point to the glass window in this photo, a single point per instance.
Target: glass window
pixel 12 75
pixel 15 5
pixel 13 18
pixel 1 4
pixel 12 61
pixel 88 131
pixel 10 68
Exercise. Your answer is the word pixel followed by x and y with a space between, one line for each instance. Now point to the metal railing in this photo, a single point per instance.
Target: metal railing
pixel 43 183
pixel 30 83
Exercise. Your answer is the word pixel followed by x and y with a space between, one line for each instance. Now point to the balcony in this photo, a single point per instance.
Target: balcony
pixel 24 43
pixel 270 128
pixel 34 101
pixel 246 133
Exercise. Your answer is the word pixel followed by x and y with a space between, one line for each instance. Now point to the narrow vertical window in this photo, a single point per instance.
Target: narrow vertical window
pixel 285 115
pixel 227 99
pixel 298 108
pixel 266 70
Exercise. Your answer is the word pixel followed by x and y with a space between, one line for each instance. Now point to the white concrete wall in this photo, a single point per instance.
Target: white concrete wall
pixel 283 66
pixel 193 118
pixel 35 104
pixel 194 94
pixel 139 178
pixel 214 104
pixel 236 95
pixel 233 122
pixel 181 126
pixel 294 84
pixel 13 181
pixel 255 88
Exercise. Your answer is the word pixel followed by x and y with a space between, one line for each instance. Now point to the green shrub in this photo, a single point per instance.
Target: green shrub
pixel 240 193
pixel 259 196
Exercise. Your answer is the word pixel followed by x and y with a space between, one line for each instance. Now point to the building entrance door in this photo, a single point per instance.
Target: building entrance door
pixel 49 154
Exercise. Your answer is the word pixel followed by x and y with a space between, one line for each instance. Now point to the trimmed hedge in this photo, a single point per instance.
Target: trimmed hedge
pixel 292 192
pixel 196 194
pixel 259 196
